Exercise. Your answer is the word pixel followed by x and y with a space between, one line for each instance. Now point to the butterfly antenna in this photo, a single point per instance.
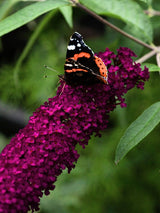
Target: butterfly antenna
pixel 50 68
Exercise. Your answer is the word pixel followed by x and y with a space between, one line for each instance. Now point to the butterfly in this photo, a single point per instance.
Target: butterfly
pixel 81 65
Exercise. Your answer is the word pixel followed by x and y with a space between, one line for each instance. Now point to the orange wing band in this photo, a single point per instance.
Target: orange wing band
pixel 75 70
pixel 80 55
pixel 102 69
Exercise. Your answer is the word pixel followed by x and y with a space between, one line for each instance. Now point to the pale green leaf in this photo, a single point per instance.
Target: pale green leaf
pixel 128 11
pixel 29 13
pixel 146 1
pixel 5 6
pixel 140 128
pixel 151 67
pixel 67 13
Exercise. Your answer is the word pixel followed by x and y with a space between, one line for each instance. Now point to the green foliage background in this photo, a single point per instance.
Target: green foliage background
pixel 96 184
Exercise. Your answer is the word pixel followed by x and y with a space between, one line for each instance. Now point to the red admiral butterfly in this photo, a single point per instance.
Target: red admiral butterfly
pixel 82 66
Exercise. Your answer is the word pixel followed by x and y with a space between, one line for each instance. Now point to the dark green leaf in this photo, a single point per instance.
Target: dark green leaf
pixel 140 128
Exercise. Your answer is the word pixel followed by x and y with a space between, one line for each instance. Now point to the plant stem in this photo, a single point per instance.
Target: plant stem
pixel 29 45
pixel 146 56
pixel 152 12
pixel 113 26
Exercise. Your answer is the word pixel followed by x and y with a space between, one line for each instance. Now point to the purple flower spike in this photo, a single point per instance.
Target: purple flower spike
pixel 37 155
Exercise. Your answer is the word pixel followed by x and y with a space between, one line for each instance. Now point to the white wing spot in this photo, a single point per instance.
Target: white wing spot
pixel 78 45
pixel 71 47
pixel 69 65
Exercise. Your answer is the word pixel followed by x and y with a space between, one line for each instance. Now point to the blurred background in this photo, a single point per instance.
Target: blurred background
pixel 96 185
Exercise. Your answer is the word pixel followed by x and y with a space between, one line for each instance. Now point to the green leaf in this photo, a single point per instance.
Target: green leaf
pixel 151 67
pixel 149 2
pixel 128 11
pixel 141 127
pixel 5 6
pixel 29 13
pixel 67 13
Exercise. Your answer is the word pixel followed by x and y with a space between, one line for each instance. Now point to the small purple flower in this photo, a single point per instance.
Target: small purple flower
pixel 37 155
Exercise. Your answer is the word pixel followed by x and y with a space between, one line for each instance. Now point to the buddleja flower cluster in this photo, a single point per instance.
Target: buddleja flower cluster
pixel 37 155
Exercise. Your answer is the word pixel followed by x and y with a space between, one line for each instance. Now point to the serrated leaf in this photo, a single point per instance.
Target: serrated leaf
pixel 67 13
pixel 151 67
pixel 29 13
pixel 128 11
pixel 140 128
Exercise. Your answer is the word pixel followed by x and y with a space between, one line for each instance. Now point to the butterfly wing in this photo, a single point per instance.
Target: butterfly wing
pixel 76 45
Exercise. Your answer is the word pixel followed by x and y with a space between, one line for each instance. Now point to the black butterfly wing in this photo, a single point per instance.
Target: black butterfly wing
pixel 76 45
